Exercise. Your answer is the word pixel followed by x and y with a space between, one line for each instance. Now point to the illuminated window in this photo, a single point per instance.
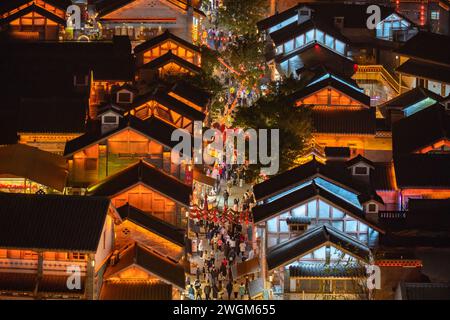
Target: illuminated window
pixel 434 15
pixel 300 41
pixel 77 256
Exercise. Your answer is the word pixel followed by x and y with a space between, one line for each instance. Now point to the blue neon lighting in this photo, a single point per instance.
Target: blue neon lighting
pixel 342 193
pixel 283 24
pixel 416 107
pixel 285 193
pixel 337 79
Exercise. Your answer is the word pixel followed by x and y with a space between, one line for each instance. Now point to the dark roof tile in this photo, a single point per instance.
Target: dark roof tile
pixel 152 177
pixel 313 238
pixel 153 224
pixel 52 222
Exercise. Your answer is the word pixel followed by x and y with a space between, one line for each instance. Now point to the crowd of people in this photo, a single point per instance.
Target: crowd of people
pixel 223 246
pixel 218 246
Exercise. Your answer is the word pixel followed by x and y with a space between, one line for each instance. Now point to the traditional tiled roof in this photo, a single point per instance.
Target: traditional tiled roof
pixel 331 82
pixel 166 100
pixel 425 70
pixel 135 290
pixel 425 224
pixel 434 126
pixel 13 281
pixel 43 115
pixel 359 158
pixel 425 291
pixel 300 174
pixel 341 64
pixel 354 15
pixel 382 178
pixel 166 35
pixel 34 8
pixel 317 270
pixel 346 120
pixel 294 29
pixel 163 268
pixel 409 98
pixel 428 46
pixel 191 93
pixel 148 175
pixel 171 57
pixel 152 223
pixel 337 152
pixel 266 211
pixel 314 238
pixel 105 7
pixel 162 97
pixel 52 222
pixel 57 284
pixel 153 128
pixel 434 171
pixel 421 129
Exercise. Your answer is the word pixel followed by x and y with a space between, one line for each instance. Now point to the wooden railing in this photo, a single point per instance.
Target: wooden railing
pixel 364 72
pixel 392 214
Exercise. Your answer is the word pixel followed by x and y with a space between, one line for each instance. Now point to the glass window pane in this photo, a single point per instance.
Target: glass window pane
pixel 279 49
pixel 337 214
pixel 272 240
pixel 299 211
pixel 310 36
pixel 329 41
pixel 363 238
pixel 340 47
pixel 362 227
pixel 272 225
pixel 300 41
pixel 350 226
pixel 284 226
pixel 320 36
pixel 284 215
pixel 312 209
pixel 289 46
pixel 338 225
pixel 324 210
pixel 319 253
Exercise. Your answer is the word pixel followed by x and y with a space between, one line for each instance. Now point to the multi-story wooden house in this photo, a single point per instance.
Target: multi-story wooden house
pixel 54 246
pixel 34 19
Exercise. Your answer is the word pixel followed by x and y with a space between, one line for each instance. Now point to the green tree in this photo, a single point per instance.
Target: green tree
pixel 275 110
pixel 246 57
pixel 241 16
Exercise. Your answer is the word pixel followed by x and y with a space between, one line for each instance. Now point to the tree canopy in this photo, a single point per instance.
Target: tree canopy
pixel 241 16
pixel 275 110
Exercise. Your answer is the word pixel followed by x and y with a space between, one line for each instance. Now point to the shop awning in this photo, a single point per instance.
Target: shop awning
pixel 42 167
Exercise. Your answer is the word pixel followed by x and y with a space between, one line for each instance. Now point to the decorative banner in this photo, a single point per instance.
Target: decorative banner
pixel 215 215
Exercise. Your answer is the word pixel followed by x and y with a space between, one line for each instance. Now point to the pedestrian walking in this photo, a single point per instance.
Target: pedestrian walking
pixel 208 291
pixel 225 198
pixel 241 291
pixel 236 290
pixel 242 246
pixel 229 289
